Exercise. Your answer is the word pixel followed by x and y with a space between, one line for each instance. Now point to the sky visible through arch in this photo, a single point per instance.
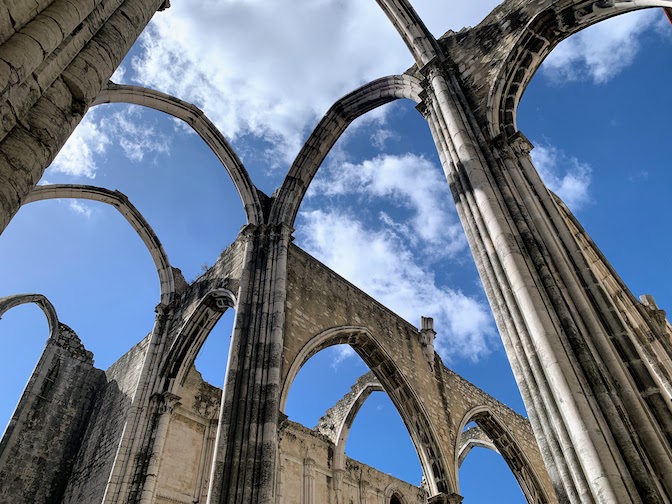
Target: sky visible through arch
pixel 379 211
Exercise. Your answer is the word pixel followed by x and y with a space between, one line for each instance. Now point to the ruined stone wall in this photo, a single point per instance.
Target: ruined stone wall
pixel 651 330
pixel 184 470
pixel 185 464
pixel 94 460
pixel 306 474
pixel 318 299
pixel 39 447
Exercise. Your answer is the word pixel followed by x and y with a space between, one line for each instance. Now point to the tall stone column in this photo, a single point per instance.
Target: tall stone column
pixel 602 421
pixel 246 448
pixel 55 58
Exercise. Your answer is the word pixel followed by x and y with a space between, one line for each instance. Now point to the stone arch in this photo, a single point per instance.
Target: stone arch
pixel 121 202
pixel 400 391
pixel 193 333
pixel 392 491
pixel 552 23
pixel 329 130
pixel 509 448
pixel 471 438
pixel 420 42
pixel 199 122
pixel 9 302
pixel 337 420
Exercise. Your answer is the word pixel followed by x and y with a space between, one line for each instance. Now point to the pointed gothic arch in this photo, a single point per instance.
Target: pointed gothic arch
pixel 199 122
pixel 191 336
pixel 543 30
pixel 508 446
pixel 329 130
pixel 399 389
pixel 9 302
pixel 121 202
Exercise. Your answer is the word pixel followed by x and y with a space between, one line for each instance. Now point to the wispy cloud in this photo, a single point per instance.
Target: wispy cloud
pixel 340 353
pixel 136 137
pixel 565 175
pixel 381 264
pixel 600 52
pixel 381 136
pixel 78 157
pixel 80 208
pixel 276 81
pixel 408 181
pixel 99 131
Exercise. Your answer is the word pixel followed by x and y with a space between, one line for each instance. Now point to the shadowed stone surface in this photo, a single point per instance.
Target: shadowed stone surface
pixel 592 362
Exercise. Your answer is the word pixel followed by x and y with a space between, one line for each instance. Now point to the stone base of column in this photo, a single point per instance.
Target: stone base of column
pixel 445 499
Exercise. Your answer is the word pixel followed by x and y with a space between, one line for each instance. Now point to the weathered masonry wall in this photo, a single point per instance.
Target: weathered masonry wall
pixel 592 363
pixel 185 462
pixel 306 474
pixel 184 469
pixel 94 461
pixel 319 303
pixel 42 439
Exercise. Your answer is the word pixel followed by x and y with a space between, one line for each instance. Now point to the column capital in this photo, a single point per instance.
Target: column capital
pixel 520 144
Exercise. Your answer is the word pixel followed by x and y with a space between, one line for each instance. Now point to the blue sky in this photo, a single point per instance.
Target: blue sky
pixel 379 212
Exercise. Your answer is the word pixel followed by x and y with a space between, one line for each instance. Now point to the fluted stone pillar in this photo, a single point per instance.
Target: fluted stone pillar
pixel 54 59
pixel 246 449
pixel 601 418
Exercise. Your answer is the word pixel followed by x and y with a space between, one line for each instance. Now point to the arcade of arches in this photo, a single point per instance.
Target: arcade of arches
pixel 592 362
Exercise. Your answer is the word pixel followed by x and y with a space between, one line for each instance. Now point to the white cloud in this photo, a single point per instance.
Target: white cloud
pixel 135 136
pixel 98 132
pixel 78 156
pixel 381 264
pixel 601 51
pixel 341 353
pixel 118 75
pixel 565 175
pixel 411 182
pixel 80 208
pixel 380 137
pixel 276 80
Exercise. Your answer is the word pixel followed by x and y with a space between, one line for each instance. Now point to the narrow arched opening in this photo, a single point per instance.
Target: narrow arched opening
pixel 171 175
pixel 485 477
pixel 363 434
pixel 24 331
pixel 486 446
pixel 195 372
pixel 598 143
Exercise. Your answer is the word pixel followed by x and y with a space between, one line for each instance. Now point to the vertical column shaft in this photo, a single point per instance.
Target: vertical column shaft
pixel 54 67
pixel 244 469
pixel 583 382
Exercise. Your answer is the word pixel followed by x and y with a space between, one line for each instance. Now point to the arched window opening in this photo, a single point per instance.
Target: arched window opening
pixel 599 142
pixel 395 499
pixel 322 382
pixel 167 171
pixel 336 396
pixel 485 477
pixel 87 259
pixel 380 213
pixel 379 438
pixel 211 361
pixel 24 331
pixel 197 389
